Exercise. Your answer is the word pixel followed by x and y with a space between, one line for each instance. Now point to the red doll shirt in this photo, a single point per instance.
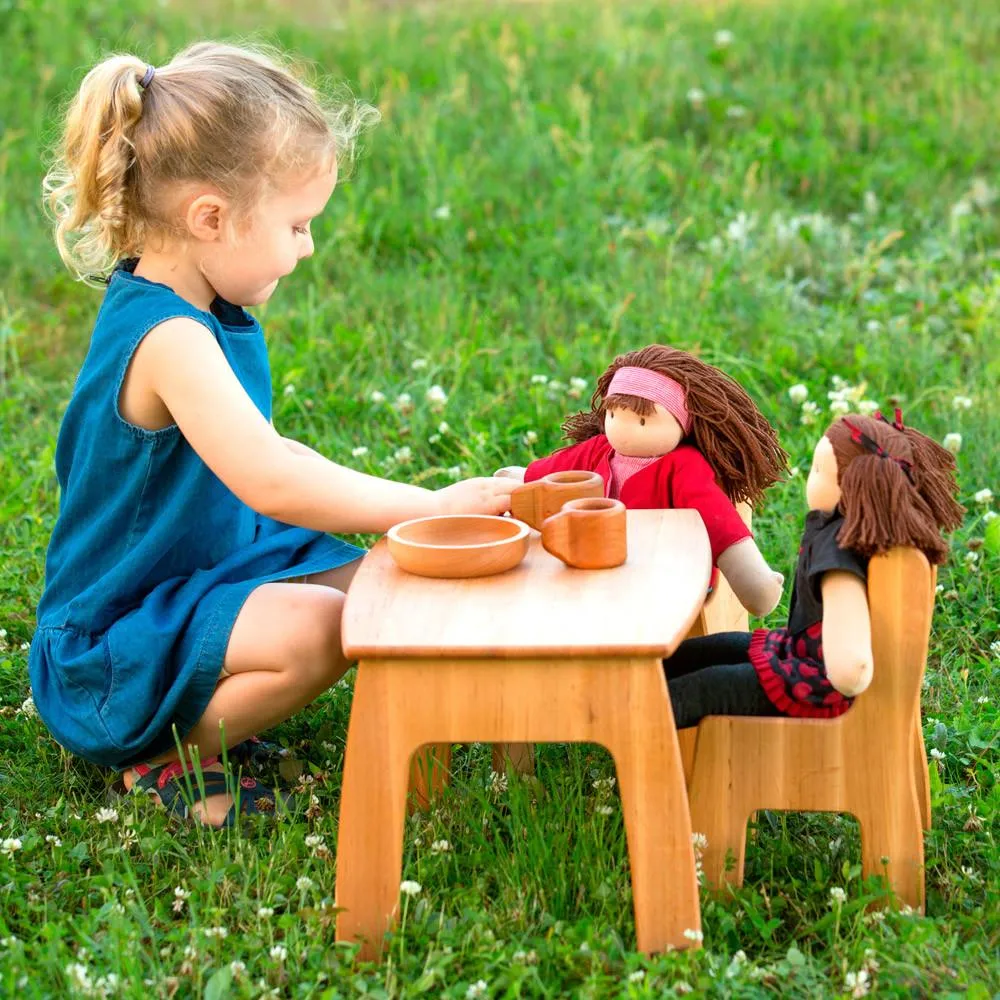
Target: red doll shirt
pixel 680 479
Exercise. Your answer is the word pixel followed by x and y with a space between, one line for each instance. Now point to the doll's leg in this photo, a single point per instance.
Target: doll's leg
pixel 708 651
pixel 723 689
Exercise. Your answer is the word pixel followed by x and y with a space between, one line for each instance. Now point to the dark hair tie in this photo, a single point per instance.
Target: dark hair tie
pixel 858 436
pixel 147 77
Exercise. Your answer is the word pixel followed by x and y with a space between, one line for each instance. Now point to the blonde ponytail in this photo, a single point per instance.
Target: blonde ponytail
pixel 86 191
pixel 233 117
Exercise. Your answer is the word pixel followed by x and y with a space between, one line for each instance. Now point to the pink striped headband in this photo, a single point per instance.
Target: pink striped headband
pixel 656 388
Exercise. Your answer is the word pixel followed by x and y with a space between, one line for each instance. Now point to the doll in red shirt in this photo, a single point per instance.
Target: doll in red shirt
pixel 668 430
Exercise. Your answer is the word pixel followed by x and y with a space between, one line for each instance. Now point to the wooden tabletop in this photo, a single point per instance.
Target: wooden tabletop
pixel 542 607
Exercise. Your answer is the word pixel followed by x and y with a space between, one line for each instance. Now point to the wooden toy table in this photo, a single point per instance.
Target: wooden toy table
pixel 542 653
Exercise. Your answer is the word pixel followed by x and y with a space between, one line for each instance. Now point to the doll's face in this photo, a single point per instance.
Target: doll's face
pixel 822 489
pixel 642 437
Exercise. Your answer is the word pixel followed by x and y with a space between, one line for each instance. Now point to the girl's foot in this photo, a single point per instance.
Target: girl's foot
pixel 216 807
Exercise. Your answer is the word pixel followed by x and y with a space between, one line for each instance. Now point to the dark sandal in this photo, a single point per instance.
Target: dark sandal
pixel 255 753
pixel 167 783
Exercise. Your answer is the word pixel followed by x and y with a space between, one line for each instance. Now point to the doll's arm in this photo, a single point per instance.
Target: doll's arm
pixel 755 584
pixel 847 632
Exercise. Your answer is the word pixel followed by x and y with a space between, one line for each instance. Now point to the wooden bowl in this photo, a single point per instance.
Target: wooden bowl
pixel 454 546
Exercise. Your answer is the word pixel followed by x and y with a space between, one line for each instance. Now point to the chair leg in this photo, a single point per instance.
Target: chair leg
pixel 688 740
pixel 716 809
pixel 892 842
pixel 428 774
pixel 372 815
pixel 517 757
pixel 920 771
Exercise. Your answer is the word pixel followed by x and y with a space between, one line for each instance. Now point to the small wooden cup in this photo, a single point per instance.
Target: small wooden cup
pixel 587 534
pixel 534 502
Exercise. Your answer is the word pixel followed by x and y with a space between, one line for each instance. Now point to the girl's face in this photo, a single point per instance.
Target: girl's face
pixel 822 488
pixel 246 269
pixel 642 437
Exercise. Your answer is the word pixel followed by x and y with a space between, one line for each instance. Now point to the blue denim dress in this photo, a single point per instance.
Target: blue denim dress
pixel 152 557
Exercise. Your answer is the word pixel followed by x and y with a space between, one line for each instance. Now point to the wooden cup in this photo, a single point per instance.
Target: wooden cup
pixel 587 534
pixel 534 502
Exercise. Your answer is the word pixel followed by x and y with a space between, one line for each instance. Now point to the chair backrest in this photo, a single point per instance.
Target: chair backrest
pixel 900 602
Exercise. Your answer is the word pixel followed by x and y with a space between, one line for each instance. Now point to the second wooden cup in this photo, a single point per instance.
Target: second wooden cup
pixel 587 534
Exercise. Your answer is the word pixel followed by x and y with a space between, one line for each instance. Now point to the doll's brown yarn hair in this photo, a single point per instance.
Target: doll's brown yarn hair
pixel 726 426
pixel 906 496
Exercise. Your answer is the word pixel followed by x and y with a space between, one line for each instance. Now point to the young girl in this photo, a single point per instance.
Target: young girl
pixel 872 486
pixel 190 582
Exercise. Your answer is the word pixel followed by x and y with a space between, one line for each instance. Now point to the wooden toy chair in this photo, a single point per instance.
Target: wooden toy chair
pixel 869 761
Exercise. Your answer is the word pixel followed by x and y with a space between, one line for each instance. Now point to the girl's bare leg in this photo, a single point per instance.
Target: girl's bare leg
pixel 284 651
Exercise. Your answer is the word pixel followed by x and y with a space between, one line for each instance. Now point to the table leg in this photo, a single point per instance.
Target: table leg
pixel 372 814
pixel 657 819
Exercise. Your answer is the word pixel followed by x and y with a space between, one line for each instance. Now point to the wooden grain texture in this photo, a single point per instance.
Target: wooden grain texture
pixel 541 607
pixel 622 704
pixel 862 762
pixel 588 534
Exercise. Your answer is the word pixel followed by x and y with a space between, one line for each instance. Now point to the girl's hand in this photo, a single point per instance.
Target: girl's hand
pixel 476 496
pixel 512 472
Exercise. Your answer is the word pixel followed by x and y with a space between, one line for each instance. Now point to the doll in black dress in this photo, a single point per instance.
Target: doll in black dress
pixel 873 485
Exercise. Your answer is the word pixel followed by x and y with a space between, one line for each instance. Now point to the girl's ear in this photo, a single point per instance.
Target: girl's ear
pixel 206 217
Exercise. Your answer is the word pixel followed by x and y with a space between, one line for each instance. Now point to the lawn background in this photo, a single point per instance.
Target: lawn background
pixel 813 199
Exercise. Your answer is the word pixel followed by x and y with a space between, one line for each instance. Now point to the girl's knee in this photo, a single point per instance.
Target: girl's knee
pixel 318 657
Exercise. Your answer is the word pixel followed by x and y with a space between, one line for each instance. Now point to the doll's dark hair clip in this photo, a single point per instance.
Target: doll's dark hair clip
pixel 858 436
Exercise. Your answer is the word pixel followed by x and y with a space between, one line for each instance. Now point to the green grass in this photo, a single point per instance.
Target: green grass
pixel 541 195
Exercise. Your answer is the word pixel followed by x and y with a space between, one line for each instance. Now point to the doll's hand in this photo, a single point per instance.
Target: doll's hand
pixel 484 495
pixel 515 472
pixel 756 586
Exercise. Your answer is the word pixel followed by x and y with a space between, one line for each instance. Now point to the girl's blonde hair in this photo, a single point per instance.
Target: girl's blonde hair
pixel 233 117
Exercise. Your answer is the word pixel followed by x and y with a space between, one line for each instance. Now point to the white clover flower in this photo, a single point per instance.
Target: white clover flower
pixel 871 202
pixel 265 912
pixel 376 396
pixel 409 888
pixel 937 754
pixel 216 932
pixel 477 989
pixel 237 968
pixel 995 647
pixel 51 838
pixel 961 403
pixel 736 112
pixel 982 194
pixel 693 935
pixel 436 397
pixel 953 442
pixel 27 708
pixel 530 437
pixel 404 403
pixel 442 212
pixel 417 363
pixel 3 634
pixel 360 451
pixel 989 516
pixel 79 976
pixel 289 390
pixel 840 406
pixel 971 558
pixel 106 815
pixel 434 439
pixel 982 700
pixel 539 379
pixel 837 895
pixel 440 847
pixel 866 407
pixel 578 383
pixel 638 976
pixel 25 646
pixel 696 97
pixel 403 455
pixel 798 393
pixel 857 983
pixel 454 472
pixel 315 840
pixel 605 810
pixel 740 228
pixel 443 427
pixel 680 988
pixel 983 496
pixel 960 209
pixel 10 845
pixel 699 841
pixel 724 38
pixel 279 952
pixel 304 883
pixel 873 326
